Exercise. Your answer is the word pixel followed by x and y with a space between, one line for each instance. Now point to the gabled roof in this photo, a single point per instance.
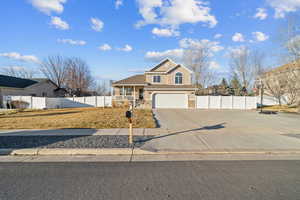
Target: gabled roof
pixel 160 64
pixel 171 69
pixel 134 80
pixel 14 82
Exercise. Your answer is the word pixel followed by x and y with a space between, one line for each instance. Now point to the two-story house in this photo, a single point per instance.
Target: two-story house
pixel 167 85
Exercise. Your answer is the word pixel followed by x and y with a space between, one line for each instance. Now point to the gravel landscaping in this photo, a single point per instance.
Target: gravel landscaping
pixel 98 141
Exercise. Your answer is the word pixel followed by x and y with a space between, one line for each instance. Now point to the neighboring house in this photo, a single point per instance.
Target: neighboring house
pixel 167 85
pixel 12 86
pixel 284 81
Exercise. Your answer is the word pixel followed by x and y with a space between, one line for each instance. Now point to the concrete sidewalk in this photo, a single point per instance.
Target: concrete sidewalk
pixel 202 140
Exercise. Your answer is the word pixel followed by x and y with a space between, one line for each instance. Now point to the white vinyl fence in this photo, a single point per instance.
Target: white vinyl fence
pixel 67 102
pixel 226 102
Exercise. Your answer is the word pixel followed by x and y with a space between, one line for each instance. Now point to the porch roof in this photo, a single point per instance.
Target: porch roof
pixel 132 80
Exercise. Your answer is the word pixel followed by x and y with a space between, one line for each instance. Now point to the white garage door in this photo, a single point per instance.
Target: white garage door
pixel 170 101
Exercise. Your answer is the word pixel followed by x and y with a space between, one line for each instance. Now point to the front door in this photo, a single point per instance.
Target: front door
pixel 141 94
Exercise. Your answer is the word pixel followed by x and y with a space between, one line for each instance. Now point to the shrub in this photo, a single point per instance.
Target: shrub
pixel 19 104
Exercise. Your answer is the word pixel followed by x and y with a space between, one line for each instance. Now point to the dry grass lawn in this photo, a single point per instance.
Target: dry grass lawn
pixel 282 108
pixel 97 118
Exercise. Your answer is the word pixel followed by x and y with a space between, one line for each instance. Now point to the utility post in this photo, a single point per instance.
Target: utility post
pixel 129 117
pixel 261 95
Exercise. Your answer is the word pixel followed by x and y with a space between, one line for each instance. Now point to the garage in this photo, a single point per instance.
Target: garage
pixel 170 100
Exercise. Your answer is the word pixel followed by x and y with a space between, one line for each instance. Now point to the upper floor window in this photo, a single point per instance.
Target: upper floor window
pixel 178 78
pixel 156 79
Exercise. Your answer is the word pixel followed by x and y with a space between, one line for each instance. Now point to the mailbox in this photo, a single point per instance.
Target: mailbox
pixel 128 114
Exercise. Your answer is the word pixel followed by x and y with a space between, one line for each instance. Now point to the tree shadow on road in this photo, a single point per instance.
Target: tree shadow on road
pixel 213 127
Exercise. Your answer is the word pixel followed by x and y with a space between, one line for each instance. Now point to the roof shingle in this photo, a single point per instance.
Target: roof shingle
pixel 14 82
pixel 137 79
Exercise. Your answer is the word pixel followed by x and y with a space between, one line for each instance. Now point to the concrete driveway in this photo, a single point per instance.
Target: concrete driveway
pixel 229 121
pixel 214 130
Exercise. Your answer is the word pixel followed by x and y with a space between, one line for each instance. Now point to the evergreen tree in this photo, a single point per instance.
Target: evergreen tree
pixel 224 83
pixel 236 85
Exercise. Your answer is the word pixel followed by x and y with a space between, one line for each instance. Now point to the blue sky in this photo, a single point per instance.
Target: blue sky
pixel 118 38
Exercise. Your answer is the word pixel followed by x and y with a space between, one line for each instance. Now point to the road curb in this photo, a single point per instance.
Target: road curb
pixel 127 151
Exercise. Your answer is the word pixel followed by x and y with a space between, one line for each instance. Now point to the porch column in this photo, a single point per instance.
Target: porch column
pixel 133 96
pixel 123 89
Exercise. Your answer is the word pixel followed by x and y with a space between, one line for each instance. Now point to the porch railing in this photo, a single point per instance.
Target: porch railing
pixel 123 98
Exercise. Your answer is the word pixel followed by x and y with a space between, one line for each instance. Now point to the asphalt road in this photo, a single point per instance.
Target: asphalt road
pixel 151 180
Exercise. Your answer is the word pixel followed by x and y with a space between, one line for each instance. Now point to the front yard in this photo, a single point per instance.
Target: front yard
pixel 282 108
pixel 97 118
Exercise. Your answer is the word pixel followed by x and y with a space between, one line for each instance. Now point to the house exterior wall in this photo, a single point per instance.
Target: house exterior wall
pixel 44 87
pixel 169 79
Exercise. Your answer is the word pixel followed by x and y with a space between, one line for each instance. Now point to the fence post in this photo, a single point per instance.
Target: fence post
pixel 31 102
pixel 208 102
pixel 96 103
pixel 245 102
pixel 232 102
pixel 220 97
pixel 103 101
pixel 45 98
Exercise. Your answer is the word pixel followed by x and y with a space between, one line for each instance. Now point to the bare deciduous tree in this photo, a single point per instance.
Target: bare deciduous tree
pixel 17 71
pixel 54 68
pixel 240 64
pixel 289 39
pixel 248 65
pixel 78 76
pixel 198 60
pixel 276 87
pixel 257 59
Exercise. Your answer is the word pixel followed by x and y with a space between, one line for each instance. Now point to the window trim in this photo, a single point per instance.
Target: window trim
pixel 153 79
pixel 176 76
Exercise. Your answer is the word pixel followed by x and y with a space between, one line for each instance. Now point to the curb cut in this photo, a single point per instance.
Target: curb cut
pixel 126 151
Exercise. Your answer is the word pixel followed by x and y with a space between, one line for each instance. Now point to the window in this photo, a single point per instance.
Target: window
pixel 127 91
pixel 178 78
pixel 156 79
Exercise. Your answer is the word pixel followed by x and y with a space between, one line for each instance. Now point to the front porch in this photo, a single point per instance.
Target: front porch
pixel 128 94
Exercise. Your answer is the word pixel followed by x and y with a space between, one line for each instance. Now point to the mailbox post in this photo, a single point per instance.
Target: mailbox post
pixel 129 117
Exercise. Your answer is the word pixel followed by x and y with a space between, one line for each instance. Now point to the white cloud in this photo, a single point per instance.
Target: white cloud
pixel 261 14
pixel 58 23
pixel 188 43
pixel 218 36
pixel 282 7
pixel 49 6
pixel 157 56
pixel 164 32
pixel 72 42
pixel 174 13
pixel 97 24
pixel 127 48
pixel 260 37
pixel 238 37
pixel 105 47
pixel 237 51
pixel 19 57
pixel 214 65
pixel 118 3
